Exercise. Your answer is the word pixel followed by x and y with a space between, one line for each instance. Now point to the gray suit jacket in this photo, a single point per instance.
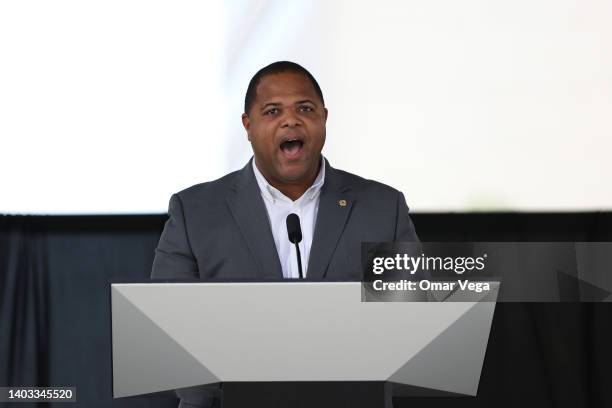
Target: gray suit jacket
pixel 220 230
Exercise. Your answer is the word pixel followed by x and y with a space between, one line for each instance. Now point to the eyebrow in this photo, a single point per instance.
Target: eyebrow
pixel 270 104
pixel 279 104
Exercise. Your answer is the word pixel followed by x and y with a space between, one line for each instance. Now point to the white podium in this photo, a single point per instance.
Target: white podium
pixel 175 335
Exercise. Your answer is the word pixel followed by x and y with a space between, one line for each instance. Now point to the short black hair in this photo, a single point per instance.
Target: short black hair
pixel 277 68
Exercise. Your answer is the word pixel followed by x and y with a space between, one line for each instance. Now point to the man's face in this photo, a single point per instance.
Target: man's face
pixel 286 128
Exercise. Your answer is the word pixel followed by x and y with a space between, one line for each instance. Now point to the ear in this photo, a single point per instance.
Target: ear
pixel 325 113
pixel 246 123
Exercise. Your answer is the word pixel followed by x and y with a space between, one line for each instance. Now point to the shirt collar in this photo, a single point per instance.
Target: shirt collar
pixel 271 193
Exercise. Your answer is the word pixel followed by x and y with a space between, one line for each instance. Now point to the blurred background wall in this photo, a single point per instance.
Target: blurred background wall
pixel 110 107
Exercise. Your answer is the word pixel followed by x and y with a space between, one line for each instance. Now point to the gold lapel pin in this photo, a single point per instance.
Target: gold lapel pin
pixel 342 203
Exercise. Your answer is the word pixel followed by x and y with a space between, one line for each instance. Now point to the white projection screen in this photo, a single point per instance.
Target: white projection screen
pixel 477 105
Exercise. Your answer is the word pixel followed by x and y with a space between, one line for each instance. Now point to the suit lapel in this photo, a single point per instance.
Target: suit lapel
pixel 334 210
pixel 249 212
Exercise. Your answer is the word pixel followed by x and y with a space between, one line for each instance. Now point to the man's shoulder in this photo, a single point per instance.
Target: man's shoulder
pixel 361 185
pixel 211 190
pixel 217 190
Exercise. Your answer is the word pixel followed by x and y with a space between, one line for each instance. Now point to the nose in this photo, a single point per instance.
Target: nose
pixel 290 119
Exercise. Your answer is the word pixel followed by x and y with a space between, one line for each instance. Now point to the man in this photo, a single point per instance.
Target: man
pixel 235 227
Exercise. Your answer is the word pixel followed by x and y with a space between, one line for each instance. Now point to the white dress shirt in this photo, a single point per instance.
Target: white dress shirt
pixel 279 206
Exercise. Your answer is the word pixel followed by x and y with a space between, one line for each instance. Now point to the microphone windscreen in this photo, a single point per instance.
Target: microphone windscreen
pixel 293 228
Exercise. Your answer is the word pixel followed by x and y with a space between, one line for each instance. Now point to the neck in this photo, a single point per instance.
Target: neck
pixel 293 191
pixel 296 189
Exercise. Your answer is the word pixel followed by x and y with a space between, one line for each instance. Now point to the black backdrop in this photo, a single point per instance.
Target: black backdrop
pixel 54 305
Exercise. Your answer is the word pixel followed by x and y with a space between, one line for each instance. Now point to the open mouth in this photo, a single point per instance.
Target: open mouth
pixel 292 148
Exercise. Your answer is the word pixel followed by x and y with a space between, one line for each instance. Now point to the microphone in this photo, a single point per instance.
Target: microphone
pixel 294 231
